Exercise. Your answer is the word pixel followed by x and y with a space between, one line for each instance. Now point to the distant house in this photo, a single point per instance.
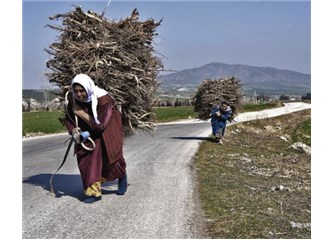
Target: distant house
pixel 30 105
pixel 55 104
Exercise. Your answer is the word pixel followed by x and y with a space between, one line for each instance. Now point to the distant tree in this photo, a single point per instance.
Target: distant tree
pixel 177 103
pixel 29 105
pixel 263 98
pixel 284 97
pixel 307 96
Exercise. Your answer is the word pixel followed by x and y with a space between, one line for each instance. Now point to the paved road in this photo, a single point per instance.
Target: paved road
pixel 287 108
pixel 161 201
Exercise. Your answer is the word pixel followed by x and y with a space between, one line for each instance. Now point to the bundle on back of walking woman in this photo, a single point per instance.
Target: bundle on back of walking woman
pixel 91 111
pixel 220 114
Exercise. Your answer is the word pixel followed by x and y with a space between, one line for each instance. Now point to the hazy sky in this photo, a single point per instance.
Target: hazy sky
pixel 192 33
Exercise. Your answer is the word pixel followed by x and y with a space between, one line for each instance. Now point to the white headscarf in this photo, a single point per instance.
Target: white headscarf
pixel 93 91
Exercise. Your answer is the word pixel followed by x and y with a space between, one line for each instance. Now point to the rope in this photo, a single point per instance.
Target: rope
pixel 71 142
pixel 63 161
pixel 77 124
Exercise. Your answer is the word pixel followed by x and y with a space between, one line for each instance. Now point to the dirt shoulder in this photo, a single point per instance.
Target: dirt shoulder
pixel 256 185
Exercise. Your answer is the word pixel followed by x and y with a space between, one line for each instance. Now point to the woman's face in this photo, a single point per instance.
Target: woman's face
pixel 224 107
pixel 79 92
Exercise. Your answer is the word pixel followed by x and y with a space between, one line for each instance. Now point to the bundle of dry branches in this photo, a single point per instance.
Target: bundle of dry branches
pixel 225 89
pixel 118 56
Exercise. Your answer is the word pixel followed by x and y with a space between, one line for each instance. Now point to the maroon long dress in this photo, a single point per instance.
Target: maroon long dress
pixel 106 161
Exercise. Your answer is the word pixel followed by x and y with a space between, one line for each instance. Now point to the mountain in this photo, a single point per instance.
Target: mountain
pixel 266 80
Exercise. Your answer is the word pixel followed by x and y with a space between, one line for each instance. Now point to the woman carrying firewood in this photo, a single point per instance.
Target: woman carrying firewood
pixel 92 114
pixel 220 114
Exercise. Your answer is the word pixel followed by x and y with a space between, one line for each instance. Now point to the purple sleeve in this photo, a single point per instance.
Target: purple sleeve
pixel 69 126
pixel 68 122
pixel 104 116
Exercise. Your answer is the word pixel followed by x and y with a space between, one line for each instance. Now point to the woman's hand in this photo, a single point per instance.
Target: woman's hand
pixel 76 130
pixel 76 134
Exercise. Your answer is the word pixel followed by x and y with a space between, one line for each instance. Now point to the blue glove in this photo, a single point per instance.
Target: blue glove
pixel 80 136
pixel 84 136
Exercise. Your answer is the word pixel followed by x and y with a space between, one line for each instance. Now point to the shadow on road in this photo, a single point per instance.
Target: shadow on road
pixel 63 184
pixel 196 138
pixel 67 185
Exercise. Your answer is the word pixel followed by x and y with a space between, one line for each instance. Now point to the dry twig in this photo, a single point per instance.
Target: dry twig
pixel 228 89
pixel 118 56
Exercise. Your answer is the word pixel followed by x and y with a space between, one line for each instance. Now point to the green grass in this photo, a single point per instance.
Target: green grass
pixel 167 114
pixel 236 180
pixel 41 123
pixel 257 107
pixel 47 122
pixel 303 132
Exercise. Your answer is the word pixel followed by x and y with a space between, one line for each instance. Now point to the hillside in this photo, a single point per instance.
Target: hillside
pixel 265 80
pixel 40 95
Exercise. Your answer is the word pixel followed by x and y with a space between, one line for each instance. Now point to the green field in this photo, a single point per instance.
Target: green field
pixel 41 123
pixel 167 114
pixel 38 123
pixel 257 107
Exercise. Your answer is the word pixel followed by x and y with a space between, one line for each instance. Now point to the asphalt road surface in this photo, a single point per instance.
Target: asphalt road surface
pixel 161 201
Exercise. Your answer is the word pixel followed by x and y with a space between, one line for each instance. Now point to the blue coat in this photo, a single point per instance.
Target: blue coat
pixel 219 122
